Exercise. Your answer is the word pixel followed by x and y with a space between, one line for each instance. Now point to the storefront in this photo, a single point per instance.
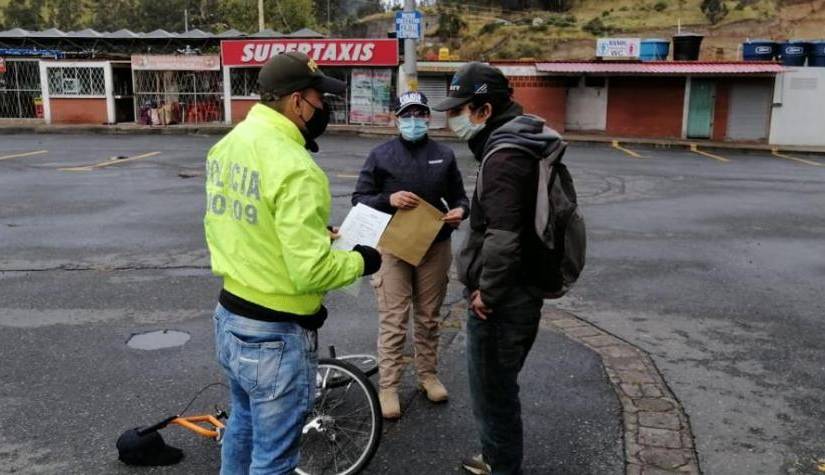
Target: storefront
pixel 176 89
pixel 366 65
pixel 78 92
pixel 723 101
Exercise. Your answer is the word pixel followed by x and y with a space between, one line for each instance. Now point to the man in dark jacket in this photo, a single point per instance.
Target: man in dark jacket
pixel 497 263
pixel 399 174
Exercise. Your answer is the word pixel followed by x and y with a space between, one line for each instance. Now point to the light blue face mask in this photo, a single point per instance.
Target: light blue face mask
pixel 463 128
pixel 413 128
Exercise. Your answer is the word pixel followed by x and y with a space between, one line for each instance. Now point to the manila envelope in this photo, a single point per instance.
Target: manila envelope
pixel 411 232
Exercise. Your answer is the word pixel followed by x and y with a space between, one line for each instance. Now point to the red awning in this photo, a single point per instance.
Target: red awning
pixel 674 68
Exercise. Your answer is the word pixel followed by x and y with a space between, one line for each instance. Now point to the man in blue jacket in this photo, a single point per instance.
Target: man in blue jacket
pixel 399 174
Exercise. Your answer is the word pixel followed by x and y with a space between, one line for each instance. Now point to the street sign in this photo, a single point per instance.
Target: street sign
pixel 618 47
pixel 408 25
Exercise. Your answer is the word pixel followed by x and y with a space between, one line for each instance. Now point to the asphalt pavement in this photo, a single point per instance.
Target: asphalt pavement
pixel 102 239
pixel 713 264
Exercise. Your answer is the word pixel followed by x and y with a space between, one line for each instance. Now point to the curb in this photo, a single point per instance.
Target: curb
pixel 657 434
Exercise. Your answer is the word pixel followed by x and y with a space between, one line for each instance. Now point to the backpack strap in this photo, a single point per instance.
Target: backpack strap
pixel 554 158
pixel 494 150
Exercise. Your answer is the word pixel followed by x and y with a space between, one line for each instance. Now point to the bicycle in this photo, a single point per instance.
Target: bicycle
pixel 342 433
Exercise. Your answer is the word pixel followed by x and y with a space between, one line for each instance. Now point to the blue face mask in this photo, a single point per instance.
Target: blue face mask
pixel 413 128
pixel 463 127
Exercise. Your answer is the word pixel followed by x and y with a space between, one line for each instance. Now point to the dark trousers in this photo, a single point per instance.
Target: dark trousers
pixel 496 350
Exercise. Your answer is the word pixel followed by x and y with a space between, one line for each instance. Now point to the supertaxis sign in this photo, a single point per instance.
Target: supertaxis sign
pixel 348 52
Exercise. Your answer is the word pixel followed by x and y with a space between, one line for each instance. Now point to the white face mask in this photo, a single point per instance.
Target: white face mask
pixel 463 127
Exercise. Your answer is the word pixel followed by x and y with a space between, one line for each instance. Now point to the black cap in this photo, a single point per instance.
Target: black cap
pixel 474 79
pixel 411 98
pixel 290 72
pixel 148 449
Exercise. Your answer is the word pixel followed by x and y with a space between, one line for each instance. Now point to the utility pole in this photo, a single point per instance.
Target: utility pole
pixel 410 59
pixel 186 19
pixel 260 15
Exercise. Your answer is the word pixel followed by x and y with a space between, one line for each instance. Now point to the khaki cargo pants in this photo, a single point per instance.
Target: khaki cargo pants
pixel 399 288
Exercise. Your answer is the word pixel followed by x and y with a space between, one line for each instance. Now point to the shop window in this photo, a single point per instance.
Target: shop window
pixel 76 81
pixel 174 97
pixel 244 82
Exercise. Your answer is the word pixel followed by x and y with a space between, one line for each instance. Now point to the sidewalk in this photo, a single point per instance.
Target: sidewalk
pixel 8 127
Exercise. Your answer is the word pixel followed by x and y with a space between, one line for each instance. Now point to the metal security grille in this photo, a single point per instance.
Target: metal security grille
pixel 244 82
pixel 76 81
pixel 19 88
pixel 178 97
pixel 339 105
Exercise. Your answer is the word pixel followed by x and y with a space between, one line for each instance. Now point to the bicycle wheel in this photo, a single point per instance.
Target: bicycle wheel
pixel 343 431
pixel 368 364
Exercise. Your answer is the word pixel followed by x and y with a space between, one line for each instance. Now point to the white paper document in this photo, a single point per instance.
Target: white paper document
pixel 363 225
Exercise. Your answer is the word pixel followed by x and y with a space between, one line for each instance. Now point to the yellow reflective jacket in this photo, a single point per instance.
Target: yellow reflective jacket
pixel 267 208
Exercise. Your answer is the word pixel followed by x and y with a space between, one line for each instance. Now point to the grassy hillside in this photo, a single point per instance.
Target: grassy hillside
pixel 491 34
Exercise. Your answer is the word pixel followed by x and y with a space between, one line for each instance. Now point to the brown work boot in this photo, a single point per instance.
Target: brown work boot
pixel 436 392
pixel 390 407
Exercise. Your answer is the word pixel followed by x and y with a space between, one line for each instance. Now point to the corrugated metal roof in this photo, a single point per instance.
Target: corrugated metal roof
pixel 195 34
pixel 658 67
pixel 305 33
pixel 124 33
pixel 87 33
pixel 14 33
pixel 50 33
pixel 231 33
pixel 159 33
pixel 267 33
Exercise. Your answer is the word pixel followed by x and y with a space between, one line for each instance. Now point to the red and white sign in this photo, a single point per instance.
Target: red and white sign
pixel 175 62
pixel 347 52
pixel 2 65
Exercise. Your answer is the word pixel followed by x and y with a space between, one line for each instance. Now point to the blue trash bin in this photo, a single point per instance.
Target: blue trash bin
pixel 794 53
pixel 760 50
pixel 816 55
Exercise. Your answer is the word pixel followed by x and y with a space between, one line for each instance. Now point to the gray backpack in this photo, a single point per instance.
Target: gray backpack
pixel 558 222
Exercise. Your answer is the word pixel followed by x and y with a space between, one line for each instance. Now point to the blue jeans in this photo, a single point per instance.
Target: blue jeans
pixel 496 350
pixel 271 368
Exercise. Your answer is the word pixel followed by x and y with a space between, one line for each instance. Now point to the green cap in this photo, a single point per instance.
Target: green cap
pixel 289 72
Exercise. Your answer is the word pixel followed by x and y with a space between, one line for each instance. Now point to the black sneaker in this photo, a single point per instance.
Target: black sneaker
pixel 476 465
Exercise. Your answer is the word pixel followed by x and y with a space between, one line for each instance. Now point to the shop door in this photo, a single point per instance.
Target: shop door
pixel 587 105
pixel 700 109
pixel 435 88
pixel 750 111
pixel 124 93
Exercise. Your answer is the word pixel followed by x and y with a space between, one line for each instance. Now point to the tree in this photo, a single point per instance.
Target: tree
pixel 63 14
pixel 112 15
pixel 280 15
pixel 24 14
pixel 714 10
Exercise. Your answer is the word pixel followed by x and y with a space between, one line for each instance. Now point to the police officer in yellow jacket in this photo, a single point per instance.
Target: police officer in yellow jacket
pixel 267 208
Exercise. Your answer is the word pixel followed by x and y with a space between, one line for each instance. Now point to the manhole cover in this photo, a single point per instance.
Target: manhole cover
pixel 158 339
